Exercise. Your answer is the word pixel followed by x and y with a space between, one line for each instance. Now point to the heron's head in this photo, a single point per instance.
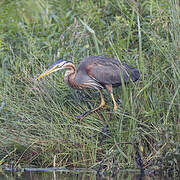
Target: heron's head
pixel 58 65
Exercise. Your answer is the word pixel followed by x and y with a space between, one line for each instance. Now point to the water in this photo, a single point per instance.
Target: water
pixel 70 175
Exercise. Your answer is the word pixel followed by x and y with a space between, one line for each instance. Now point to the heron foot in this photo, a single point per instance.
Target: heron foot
pixel 82 116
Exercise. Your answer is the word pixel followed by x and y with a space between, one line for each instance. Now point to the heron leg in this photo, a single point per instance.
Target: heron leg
pixel 102 103
pixel 94 109
pixel 110 89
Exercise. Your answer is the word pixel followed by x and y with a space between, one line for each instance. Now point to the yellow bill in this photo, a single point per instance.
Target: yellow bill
pixel 50 70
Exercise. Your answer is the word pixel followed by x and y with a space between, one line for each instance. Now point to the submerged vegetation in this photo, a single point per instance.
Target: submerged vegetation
pixel 37 127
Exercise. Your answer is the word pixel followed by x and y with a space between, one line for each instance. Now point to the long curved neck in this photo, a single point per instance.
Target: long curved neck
pixel 70 75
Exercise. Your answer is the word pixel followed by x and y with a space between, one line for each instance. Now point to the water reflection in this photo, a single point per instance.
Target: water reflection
pixel 125 175
pixel 46 176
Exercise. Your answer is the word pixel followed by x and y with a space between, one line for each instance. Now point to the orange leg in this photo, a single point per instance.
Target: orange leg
pixel 102 103
pixel 94 109
pixel 109 88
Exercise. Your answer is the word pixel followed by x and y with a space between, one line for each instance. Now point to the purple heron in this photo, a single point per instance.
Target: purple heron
pixel 95 72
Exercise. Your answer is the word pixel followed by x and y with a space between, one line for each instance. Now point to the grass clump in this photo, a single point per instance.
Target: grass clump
pixel 37 122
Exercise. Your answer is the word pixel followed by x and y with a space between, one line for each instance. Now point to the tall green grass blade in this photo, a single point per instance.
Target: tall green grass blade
pixel 93 35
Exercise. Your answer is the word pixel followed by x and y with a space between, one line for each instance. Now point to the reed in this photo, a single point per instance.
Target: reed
pixel 36 121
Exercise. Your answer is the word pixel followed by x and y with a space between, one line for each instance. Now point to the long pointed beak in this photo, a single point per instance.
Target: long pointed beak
pixel 50 70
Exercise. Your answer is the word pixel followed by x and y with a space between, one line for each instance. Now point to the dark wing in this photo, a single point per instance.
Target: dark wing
pixel 109 71
pixel 133 72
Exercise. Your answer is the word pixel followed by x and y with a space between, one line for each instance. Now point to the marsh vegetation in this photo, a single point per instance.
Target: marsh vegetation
pixel 37 127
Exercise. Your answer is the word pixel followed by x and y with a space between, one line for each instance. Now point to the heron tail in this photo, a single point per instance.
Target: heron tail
pixel 134 73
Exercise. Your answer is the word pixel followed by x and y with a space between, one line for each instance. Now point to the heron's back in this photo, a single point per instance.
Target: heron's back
pixel 105 70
